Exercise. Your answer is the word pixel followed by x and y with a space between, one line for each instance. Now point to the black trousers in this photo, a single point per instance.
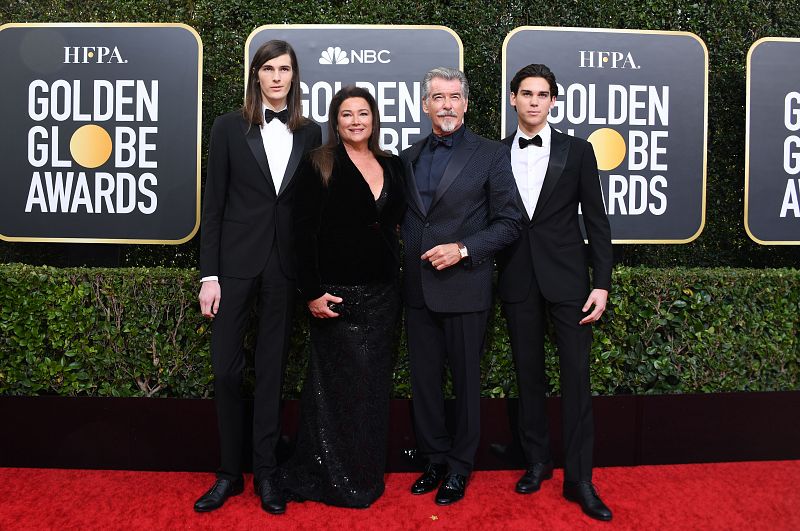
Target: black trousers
pixel 275 296
pixel 526 327
pixel 457 338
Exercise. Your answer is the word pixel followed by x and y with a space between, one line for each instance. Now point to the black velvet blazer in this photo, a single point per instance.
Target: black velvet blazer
pixel 341 237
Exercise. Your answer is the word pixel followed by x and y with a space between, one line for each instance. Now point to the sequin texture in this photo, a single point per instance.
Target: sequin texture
pixel 341 446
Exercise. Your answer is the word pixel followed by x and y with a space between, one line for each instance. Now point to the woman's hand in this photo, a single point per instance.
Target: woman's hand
pixel 319 307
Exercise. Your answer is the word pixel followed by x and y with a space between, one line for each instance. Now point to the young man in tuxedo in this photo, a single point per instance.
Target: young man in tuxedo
pixel 461 211
pixel 547 272
pixel 246 253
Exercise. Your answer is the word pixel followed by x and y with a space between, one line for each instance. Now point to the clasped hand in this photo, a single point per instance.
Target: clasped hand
pixel 319 307
pixel 443 256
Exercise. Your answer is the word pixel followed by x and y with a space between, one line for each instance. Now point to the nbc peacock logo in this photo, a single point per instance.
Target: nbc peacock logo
pixel 334 55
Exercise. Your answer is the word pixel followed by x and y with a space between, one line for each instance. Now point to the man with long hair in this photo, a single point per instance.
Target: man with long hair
pixel 247 253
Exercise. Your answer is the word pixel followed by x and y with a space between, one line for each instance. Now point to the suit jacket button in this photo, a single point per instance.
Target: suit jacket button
pixel 427 225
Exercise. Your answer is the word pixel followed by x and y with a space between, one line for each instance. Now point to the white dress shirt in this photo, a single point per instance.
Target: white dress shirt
pixel 530 166
pixel 277 140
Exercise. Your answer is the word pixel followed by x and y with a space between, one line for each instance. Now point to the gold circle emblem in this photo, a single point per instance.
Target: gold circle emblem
pixel 609 147
pixel 90 146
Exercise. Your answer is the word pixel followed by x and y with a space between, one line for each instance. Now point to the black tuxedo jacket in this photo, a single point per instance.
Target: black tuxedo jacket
pixel 475 203
pixel 551 250
pixel 243 216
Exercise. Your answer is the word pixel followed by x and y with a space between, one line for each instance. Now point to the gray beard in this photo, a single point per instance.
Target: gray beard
pixel 449 124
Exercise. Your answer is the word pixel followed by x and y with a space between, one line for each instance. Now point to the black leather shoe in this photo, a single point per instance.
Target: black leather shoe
pixel 429 479
pixel 453 488
pixel 217 494
pixel 583 493
pixel 272 499
pixel 531 480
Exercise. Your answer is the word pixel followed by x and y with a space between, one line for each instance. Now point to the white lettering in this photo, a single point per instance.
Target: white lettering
pixel 791 114
pixel 791 155
pixel 145 191
pixel 790 202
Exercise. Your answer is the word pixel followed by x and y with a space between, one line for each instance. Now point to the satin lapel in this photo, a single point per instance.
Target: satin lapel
pixel 298 142
pixel 461 155
pixel 256 145
pixel 509 141
pixel 559 149
pixel 411 182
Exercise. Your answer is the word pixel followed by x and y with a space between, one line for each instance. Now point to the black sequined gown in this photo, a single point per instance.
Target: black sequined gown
pixel 341 445
pixel 340 457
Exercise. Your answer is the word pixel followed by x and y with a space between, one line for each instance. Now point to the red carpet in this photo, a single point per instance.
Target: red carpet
pixel 756 495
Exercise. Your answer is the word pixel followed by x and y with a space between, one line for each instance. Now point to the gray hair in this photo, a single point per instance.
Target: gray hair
pixel 447 74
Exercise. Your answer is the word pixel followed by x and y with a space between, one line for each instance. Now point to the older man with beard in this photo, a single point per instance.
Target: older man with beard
pixel 461 211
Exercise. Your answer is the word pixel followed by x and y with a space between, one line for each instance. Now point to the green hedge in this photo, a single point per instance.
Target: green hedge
pixel 728 29
pixel 138 332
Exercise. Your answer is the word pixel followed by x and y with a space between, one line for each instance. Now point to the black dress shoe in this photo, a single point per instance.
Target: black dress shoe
pixel 272 499
pixel 218 493
pixel 429 479
pixel 531 480
pixel 583 493
pixel 453 488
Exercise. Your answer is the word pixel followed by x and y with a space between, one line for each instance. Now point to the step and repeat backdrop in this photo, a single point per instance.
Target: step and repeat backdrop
pixel 100 137
pixel 389 61
pixel 641 99
pixel 772 163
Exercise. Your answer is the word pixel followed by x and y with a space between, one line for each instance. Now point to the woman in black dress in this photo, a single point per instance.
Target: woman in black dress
pixel 349 201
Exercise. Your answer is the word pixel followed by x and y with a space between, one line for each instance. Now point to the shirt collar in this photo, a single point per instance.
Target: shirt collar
pixel 264 108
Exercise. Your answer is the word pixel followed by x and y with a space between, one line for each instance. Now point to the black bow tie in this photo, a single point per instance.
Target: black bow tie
pixel 525 142
pixel 446 141
pixel 283 115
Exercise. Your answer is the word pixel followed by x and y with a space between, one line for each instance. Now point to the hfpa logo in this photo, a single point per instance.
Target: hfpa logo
pixel 92 54
pixel 603 59
pixel 334 55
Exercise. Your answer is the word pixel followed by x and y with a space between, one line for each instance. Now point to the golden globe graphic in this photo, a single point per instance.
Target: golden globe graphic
pixel 90 146
pixel 103 124
pixel 609 147
pixel 640 99
pixel 389 61
pixel 772 151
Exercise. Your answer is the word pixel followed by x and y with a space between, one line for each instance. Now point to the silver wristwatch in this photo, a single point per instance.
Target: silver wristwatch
pixel 462 250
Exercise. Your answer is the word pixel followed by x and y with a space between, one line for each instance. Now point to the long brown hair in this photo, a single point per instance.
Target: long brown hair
pixel 322 157
pixel 252 98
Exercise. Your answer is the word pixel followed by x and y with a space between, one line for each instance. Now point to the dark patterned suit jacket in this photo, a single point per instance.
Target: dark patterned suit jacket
pixel 475 203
